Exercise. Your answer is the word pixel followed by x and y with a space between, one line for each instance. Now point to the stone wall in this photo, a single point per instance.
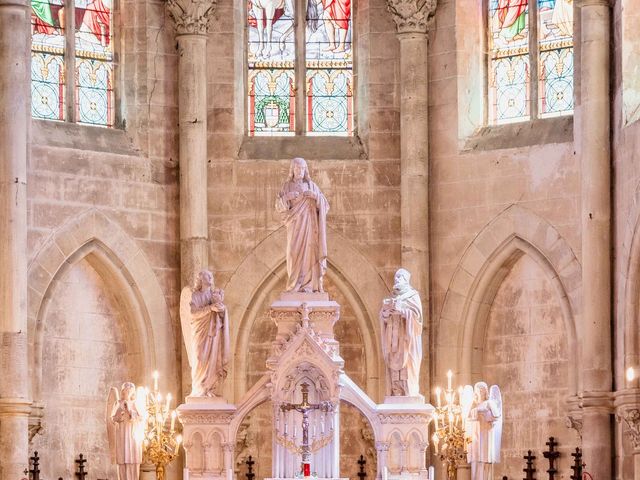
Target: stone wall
pixel 525 353
pixel 85 352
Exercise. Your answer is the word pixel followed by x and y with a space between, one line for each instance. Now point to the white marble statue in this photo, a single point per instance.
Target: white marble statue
pixel 401 326
pixel 126 421
pixel 304 209
pixel 484 428
pixel 205 329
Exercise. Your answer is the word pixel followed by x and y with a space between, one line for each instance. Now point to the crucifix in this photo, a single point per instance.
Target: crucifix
pixel 304 408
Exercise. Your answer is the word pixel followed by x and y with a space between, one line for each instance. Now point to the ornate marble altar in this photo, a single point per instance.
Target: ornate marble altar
pixel 306 381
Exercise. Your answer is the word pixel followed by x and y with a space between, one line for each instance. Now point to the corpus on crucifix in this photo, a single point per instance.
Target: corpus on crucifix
pixel 304 407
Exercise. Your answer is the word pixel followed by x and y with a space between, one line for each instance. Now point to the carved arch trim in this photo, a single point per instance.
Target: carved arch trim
pixel 265 266
pixel 121 262
pixel 484 265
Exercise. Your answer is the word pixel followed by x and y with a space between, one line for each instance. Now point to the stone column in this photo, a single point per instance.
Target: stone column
pixel 15 118
pixel 411 18
pixel 191 18
pixel 382 450
pixel 592 144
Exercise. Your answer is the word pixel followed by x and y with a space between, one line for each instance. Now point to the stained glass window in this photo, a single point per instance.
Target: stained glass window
pixel 47 59
pixel 519 53
pixel 555 34
pixel 278 66
pixel 81 74
pixel 329 65
pixel 271 78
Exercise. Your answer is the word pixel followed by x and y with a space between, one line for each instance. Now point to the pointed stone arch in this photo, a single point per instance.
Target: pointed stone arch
pixel 259 273
pixel 121 262
pixel 484 265
pixel 629 295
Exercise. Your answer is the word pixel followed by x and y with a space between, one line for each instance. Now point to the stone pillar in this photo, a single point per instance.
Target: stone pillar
pixel 382 449
pixel 15 118
pixel 592 143
pixel 411 18
pixel 191 18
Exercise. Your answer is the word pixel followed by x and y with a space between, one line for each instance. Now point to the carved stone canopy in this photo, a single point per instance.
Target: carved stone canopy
pixel 412 16
pixel 191 17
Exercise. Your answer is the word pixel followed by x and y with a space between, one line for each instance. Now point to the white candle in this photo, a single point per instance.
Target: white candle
pixel 173 421
pixel 438 396
pixel 155 380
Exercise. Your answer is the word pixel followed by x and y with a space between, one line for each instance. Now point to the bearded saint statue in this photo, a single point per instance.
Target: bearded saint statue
pixel 401 326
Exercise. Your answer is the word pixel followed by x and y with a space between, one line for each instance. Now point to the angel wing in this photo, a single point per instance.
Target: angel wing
pixel 113 397
pixel 185 321
pixel 496 431
pixel 141 407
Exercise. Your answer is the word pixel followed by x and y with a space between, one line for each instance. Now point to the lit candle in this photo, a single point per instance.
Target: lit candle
pixel 156 375
pixel 168 402
pixel 435 419
pixel 438 396
pixel 295 431
pixel 435 441
pixel 631 374
pixel 178 441
pixel 449 376
pixel 173 421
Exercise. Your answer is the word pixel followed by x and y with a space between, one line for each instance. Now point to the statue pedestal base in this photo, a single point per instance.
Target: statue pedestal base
pixel 404 400
pixel 291 308
pixel 208 446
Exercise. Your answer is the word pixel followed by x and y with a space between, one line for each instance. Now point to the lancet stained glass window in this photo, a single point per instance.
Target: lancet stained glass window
pixel 320 68
pixel 72 66
pixel 530 40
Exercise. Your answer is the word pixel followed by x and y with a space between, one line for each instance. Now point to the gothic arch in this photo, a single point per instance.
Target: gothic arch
pixel 261 270
pixel 629 295
pixel 93 236
pixel 484 265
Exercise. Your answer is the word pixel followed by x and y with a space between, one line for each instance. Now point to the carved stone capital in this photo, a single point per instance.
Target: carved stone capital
pixel 574 422
pixel 191 17
pixel 382 446
pixel 631 418
pixel 412 16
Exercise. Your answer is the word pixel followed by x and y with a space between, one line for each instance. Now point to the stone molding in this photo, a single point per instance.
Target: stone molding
pixel 597 402
pixel 412 16
pixel 205 418
pixel 404 418
pixel 191 17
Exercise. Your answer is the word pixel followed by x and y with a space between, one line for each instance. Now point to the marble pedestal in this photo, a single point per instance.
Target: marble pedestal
pixel 404 421
pixel 207 438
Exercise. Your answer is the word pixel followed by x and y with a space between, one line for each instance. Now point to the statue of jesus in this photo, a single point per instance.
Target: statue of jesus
pixel 304 209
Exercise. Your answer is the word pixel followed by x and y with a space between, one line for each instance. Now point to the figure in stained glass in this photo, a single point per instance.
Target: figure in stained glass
pixel 336 17
pixel 511 15
pixel 264 15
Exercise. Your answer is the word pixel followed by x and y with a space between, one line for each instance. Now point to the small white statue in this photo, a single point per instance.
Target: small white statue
pixel 126 422
pixel 205 329
pixel 401 326
pixel 304 209
pixel 484 428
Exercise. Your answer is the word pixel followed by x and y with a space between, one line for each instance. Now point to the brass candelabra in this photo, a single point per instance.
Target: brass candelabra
pixel 161 441
pixel 449 438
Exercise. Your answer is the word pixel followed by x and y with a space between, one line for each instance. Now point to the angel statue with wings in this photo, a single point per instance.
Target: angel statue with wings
pixel 205 329
pixel 483 409
pixel 126 421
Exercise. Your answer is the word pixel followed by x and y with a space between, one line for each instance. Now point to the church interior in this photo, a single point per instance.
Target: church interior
pixel 328 239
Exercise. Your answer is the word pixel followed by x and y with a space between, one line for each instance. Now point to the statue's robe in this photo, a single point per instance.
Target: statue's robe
pixel 482 451
pixel 402 341
pixel 128 448
pixel 306 222
pixel 211 345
